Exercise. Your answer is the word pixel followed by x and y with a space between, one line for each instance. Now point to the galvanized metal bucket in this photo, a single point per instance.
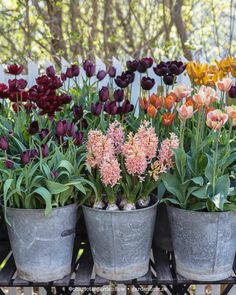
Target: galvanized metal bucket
pixel 42 246
pixel 120 241
pixel 162 235
pixel 204 243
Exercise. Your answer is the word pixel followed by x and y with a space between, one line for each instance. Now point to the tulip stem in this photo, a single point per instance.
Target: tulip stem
pixel 215 163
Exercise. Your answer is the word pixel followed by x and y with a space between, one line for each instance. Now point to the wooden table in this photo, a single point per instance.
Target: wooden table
pixel 161 273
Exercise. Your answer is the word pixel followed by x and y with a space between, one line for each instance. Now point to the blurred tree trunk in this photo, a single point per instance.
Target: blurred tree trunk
pixel 93 34
pixel 74 16
pixel 58 46
pixel 108 30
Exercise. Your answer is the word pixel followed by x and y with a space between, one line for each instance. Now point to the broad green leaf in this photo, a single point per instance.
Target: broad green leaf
pixel 56 187
pixel 67 165
pixel 209 167
pixel 201 193
pixel 198 180
pixel 45 194
pixel 173 185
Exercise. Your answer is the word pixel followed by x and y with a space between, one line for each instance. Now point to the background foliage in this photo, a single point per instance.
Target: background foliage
pixel 105 28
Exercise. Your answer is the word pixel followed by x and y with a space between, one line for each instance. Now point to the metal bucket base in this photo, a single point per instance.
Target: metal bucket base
pixel 44 277
pixel 209 277
pixel 122 274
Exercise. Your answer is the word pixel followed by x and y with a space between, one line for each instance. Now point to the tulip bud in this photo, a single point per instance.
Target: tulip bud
pixel 168 79
pixel 232 92
pixel 3 143
pixel 43 133
pixel 54 174
pixel 118 95
pixel 112 72
pixel 25 157
pixel 101 75
pixel 60 130
pixel 147 83
pixel 33 153
pixel 110 107
pixel 70 129
pixel 33 128
pixel 89 68
pixel 75 70
pixel 63 77
pixel 78 111
pixel 84 123
pixel 127 107
pixel 104 94
pixel 44 150
pixel 78 138
pixel 69 73
pixel 50 71
pixel 96 108
pixel 9 164
pixel 132 65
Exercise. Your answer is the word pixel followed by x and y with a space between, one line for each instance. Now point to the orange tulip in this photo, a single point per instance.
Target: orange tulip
pixel 168 118
pixel 151 111
pixel 209 109
pixel 170 101
pixel 156 101
pixel 143 103
pixel 189 102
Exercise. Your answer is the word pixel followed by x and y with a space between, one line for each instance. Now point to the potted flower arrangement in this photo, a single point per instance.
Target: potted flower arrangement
pixel 202 205
pixel 120 221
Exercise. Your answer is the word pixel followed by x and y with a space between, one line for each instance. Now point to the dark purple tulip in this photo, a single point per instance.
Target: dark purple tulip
pixel 112 72
pixel 96 108
pixel 63 77
pixel 75 70
pixel 130 76
pixel 25 157
pixel 174 69
pixel 147 83
pixel 118 95
pixel 33 153
pixel 84 123
pixel 104 94
pixel 14 69
pixel 69 73
pixel 65 98
pixel 78 138
pixel 54 174
pixel 148 61
pixel 127 107
pixel 33 127
pixel 161 69
pixel 43 133
pixel 122 81
pixel 9 164
pixel 50 71
pixel 89 68
pixel 3 143
pixel 70 129
pixel 78 111
pixel 60 128
pixel 232 92
pixel 110 107
pixel 142 66
pixel 44 150
pixel 168 79
pixel 101 75
pixel 132 65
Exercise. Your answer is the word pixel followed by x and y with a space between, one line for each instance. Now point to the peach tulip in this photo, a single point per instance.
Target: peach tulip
pixel 216 119
pixel 185 112
pixel 181 91
pixel 205 96
pixel 231 111
pixel 224 84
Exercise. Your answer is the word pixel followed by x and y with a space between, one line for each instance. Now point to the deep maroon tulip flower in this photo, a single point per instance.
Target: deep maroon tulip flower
pixel 78 111
pixel 9 164
pixel 3 90
pixel 69 73
pixel 50 71
pixel 16 84
pixel 64 98
pixel 118 95
pixel 89 68
pixel 112 72
pixel 96 108
pixel 232 92
pixel 142 66
pixel 44 150
pixel 110 107
pixel 61 128
pixel 78 138
pixel 84 123
pixel 70 129
pixel 4 143
pixel 55 83
pixel 126 107
pixel 33 153
pixel 148 61
pixel 43 133
pixel 63 77
pixel 75 70
pixel 176 67
pixel 101 75
pixel 33 127
pixel 130 76
pixel 147 83
pixel 104 94
pixel 43 80
pixel 161 69
pixel 132 65
pixel 14 69
pixel 168 79
pixel 25 157
pixel 122 81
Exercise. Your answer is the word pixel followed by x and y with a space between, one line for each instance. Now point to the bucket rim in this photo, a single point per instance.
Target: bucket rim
pixel 39 210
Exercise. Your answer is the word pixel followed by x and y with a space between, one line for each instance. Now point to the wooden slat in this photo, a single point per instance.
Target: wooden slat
pixel 7 272
pixel 98 281
pixel 162 267
pixel 84 271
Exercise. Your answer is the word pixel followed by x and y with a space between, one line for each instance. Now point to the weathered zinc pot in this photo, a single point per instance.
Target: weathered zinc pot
pixel 204 243
pixel 42 246
pixel 120 241
pixel 162 235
